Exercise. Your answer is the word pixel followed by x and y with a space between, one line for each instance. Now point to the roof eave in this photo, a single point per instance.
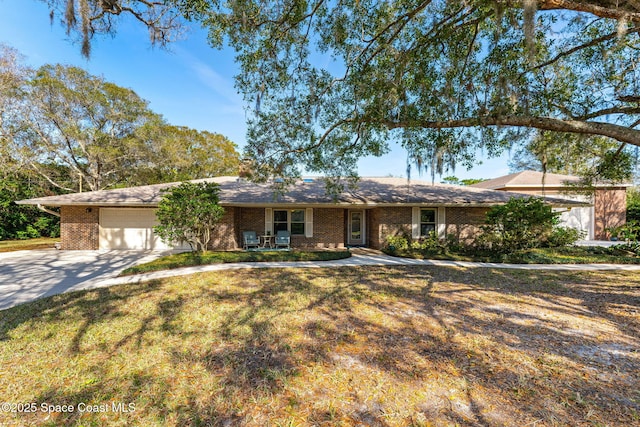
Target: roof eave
pixel 276 205
pixel 36 202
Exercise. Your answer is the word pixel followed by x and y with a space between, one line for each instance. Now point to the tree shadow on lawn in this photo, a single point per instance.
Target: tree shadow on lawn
pixel 375 346
pixel 339 335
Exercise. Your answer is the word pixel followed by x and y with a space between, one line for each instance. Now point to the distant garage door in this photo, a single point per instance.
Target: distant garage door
pixel 129 228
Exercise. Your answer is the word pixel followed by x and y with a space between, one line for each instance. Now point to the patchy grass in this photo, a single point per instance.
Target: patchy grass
pixel 21 245
pixel 189 259
pixel 388 346
pixel 564 255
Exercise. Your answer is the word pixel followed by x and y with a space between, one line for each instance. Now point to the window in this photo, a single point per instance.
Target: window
pixel 427 222
pixel 292 220
pixel 297 221
pixel 280 221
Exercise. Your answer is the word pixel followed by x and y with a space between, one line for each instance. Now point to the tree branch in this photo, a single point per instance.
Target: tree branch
pixel 582 46
pixel 609 111
pixel 611 11
pixel 617 132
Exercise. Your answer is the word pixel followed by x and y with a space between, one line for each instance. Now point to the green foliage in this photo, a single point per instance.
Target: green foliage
pixel 443 79
pixel 633 204
pixel 397 243
pixel 467 181
pixel 189 213
pixel 23 222
pixel 518 224
pixel 178 153
pixel 402 244
pixel 616 166
pixel 630 231
pixel 596 159
pixel 429 244
pixel 564 236
pixel 88 125
pixel 62 129
pixel 79 131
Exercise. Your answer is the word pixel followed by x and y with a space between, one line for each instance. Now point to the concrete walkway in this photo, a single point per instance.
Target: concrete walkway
pixel 28 275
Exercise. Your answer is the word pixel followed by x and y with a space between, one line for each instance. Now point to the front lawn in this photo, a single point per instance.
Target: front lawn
pixel 562 255
pixel 28 244
pixel 387 346
pixel 190 259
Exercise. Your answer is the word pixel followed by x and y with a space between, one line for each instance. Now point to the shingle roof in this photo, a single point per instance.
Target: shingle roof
pixel 238 192
pixel 528 179
pixel 534 179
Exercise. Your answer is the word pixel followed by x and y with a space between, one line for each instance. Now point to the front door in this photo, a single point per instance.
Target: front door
pixel 356 228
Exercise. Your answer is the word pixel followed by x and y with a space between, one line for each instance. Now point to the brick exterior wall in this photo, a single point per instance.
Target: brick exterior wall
pixel 249 219
pixel 328 230
pixel 224 236
pixel 610 210
pixel 387 221
pixel 79 229
pixel 328 227
pixel 464 223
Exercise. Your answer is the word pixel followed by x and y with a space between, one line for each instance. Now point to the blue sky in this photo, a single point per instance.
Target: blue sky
pixel 190 85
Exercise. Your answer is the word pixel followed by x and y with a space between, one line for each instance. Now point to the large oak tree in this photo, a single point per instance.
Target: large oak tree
pixel 332 81
pixel 79 131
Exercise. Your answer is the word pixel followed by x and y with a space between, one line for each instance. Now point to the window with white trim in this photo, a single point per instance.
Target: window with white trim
pixel 428 221
pixel 297 222
pixel 290 220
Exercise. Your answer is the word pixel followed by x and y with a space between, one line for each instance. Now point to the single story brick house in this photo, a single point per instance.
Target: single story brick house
pixel 124 218
pixel 607 206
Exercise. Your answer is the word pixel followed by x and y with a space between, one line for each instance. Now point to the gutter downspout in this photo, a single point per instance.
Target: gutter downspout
pixel 49 211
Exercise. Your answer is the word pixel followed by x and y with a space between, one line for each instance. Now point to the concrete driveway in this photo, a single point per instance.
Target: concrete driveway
pixel 28 275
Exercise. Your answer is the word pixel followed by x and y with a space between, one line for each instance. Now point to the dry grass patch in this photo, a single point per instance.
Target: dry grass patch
pixel 29 244
pixel 352 346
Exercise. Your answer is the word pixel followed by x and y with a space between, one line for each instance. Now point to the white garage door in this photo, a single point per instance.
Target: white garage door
pixel 580 218
pixel 129 228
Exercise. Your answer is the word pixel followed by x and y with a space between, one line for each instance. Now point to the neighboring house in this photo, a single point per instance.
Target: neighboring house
pixel 608 203
pixel 124 218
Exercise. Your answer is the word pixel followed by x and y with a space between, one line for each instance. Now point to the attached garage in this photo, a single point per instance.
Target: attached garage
pixel 129 228
pixel 607 205
pixel 579 218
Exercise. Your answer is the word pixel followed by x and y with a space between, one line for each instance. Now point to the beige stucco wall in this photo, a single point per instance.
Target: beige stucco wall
pixel 610 205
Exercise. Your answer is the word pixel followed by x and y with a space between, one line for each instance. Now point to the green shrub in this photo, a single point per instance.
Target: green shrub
pixel 564 236
pixel 633 204
pixel 628 232
pixel 29 233
pixel 429 244
pixel 189 213
pixel 397 243
pixel 628 247
pixel 518 224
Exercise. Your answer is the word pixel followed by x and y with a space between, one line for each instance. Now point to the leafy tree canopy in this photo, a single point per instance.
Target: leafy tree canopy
pixel 180 153
pixel 591 157
pixel 79 131
pixel 456 181
pixel 189 213
pixel 333 81
pixel 22 222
